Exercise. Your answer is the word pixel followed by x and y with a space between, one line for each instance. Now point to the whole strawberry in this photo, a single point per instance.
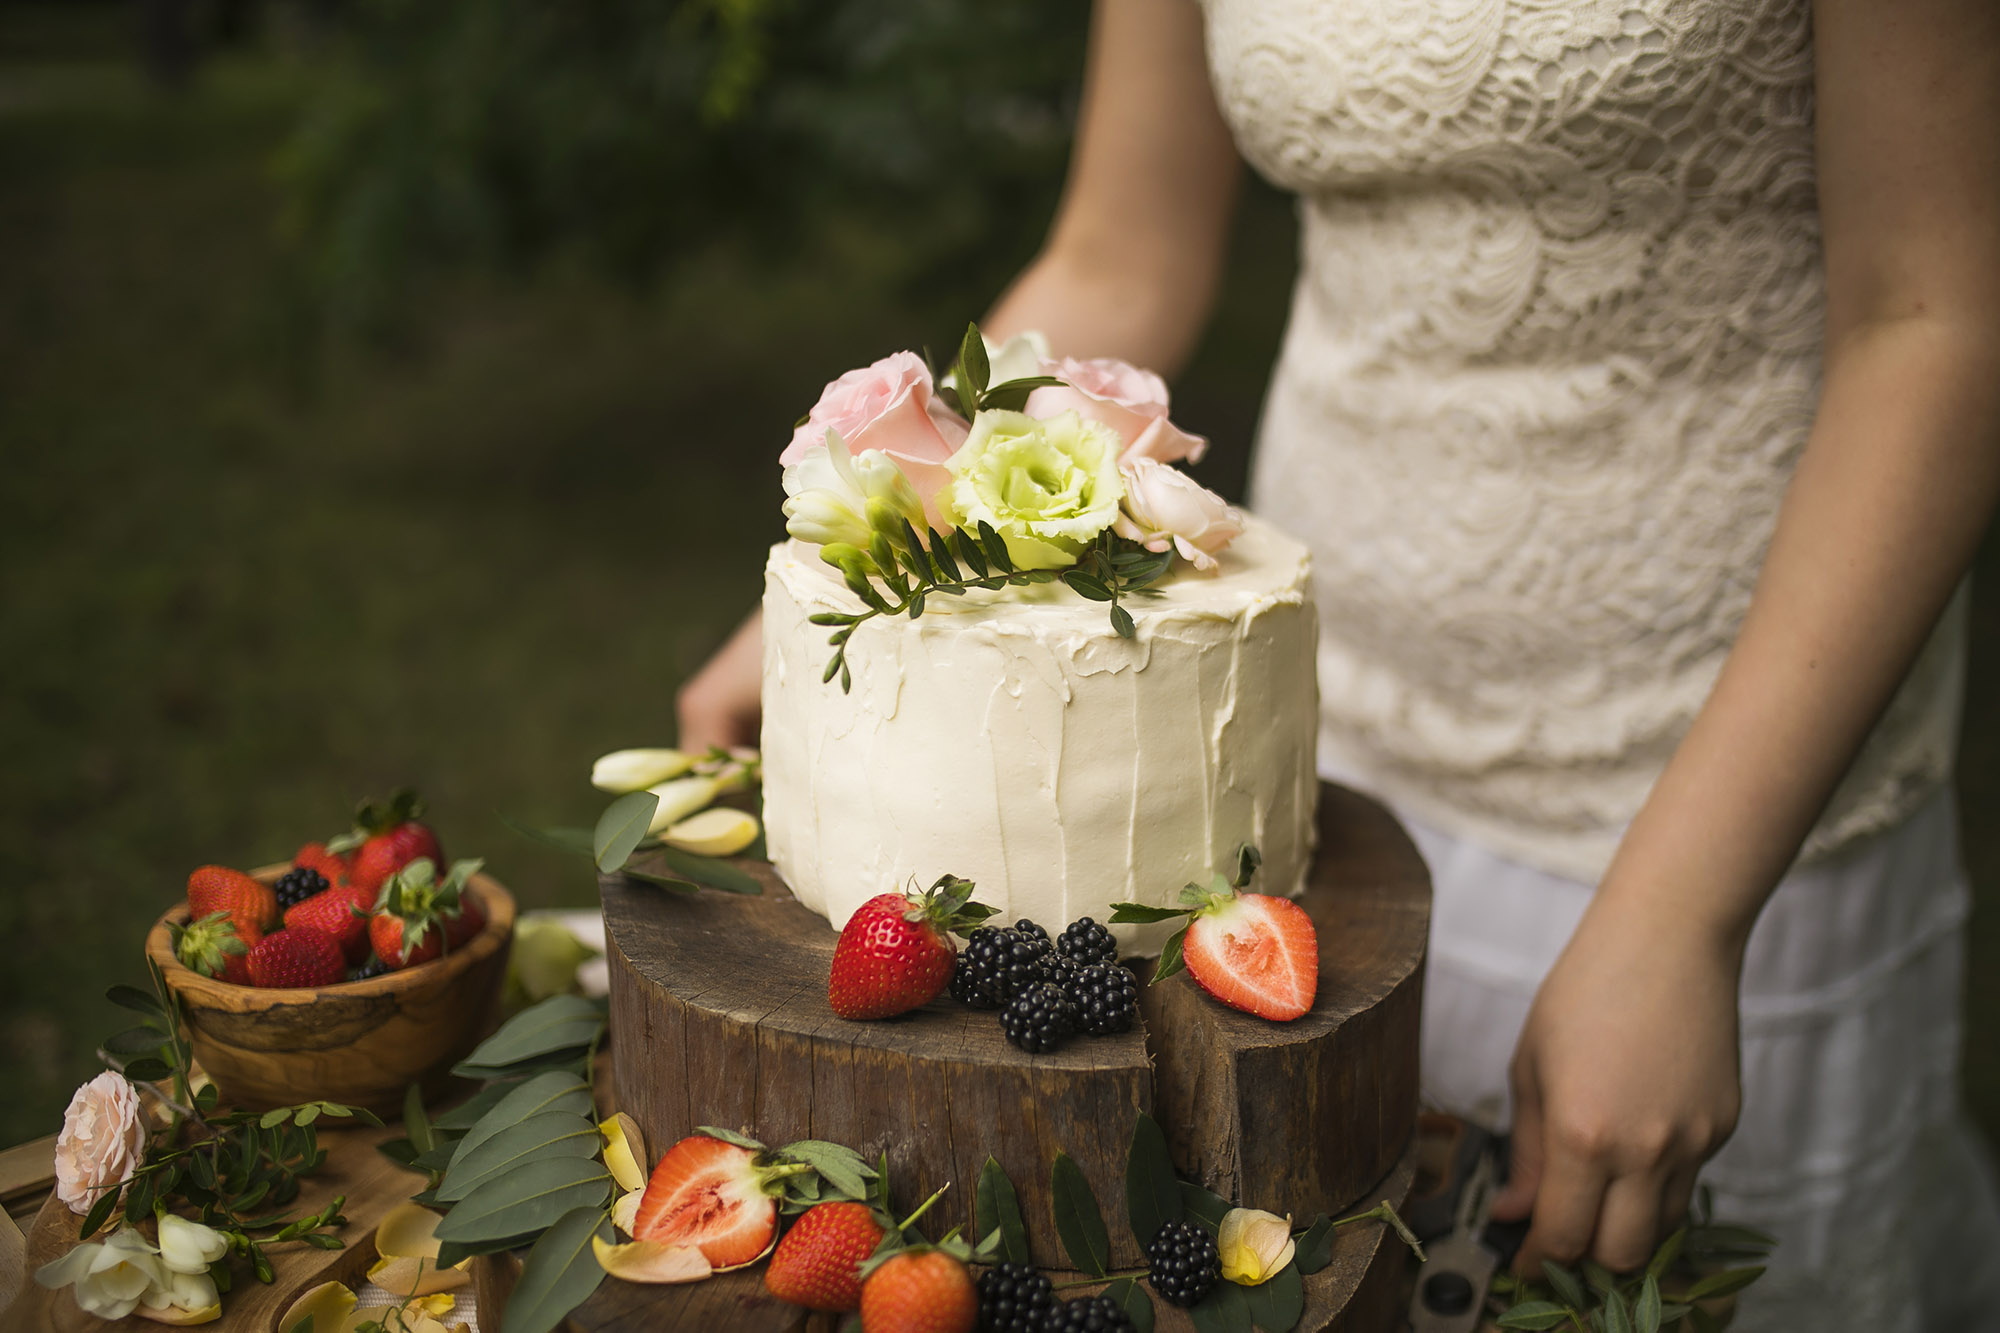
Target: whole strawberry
pixel 818 1263
pixel 252 907
pixel 417 918
pixel 335 869
pixel 919 1290
pixel 211 946
pixel 386 838
pixel 342 913
pixel 296 959
pixel 895 953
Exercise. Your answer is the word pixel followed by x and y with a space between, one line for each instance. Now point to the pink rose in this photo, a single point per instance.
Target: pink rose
pixel 1166 507
pixel 889 406
pixel 1131 401
pixel 101 1142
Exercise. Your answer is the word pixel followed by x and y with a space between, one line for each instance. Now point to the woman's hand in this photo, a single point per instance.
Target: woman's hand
pixel 720 704
pixel 1625 1082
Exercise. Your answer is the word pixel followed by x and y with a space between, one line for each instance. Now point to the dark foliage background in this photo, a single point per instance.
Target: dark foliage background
pixel 391 393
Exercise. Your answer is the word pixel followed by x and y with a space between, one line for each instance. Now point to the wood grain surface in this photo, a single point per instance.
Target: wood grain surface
pixel 720 1010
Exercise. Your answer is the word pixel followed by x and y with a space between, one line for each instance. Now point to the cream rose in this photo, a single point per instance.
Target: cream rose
pixel 102 1140
pixel 1047 487
pixel 1166 507
pixel 1131 401
pixel 889 406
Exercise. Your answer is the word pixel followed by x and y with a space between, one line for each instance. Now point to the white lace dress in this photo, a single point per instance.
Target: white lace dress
pixel 1553 351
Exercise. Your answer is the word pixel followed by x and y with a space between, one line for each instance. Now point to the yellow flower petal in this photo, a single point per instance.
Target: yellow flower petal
pixel 1255 1246
pixel 173 1314
pixel 408 1230
pixel 716 832
pixel 413 1275
pixel 651 1261
pixel 329 1304
pixel 625 1212
pixel 624 1151
pixel 634 770
pixel 678 799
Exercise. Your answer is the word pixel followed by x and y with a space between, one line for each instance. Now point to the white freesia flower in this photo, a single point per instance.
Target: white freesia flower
pixel 181 1298
pixel 835 496
pixel 189 1247
pixel 624 771
pixel 102 1139
pixel 107 1277
pixel 1017 358
pixel 680 798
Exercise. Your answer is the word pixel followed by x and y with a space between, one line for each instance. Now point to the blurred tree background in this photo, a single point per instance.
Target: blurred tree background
pixel 390 393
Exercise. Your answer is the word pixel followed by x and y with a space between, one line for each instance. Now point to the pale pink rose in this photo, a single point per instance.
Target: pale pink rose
pixel 890 406
pixel 101 1142
pixel 1131 401
pixel 1166 507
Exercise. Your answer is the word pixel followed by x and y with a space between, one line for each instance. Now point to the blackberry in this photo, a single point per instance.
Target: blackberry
pixel 1066 972
pixel 1092 1314
pixel 1028 930
pixel 1087 942
pixel 296 885
pixel 1106 999
pixel 1184 1261
pixel 1014 1298
pixel 996 964
pixel 374 967
pixel 1040 1018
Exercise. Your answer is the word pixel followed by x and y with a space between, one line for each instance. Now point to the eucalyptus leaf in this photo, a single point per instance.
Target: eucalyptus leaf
pixel 1079 1224
pixel 434 1159
pixel 147 1069
pixel 131 997
pixel 996 1207
pixel 550 1134
pixel 713 871
pixel 671 883
pixel 1226 1309
pixel 1313 1247
pixel 1278 1303
pixel 553 1091
pixel 620 827
pixel 136 1041
pixel 560 1273
pixel 1722 1284
pixel 576 841
pixel 1130 1297
pixel 559 1023
pixel 1152 1190
pixel 466 1114
pixel 1534 1315
pixel 400 1151
pixel 527 1199
pixel 451 1253
pixel 1204 1205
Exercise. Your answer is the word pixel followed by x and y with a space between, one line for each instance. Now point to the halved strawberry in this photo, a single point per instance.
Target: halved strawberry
pixel 719 1197
pixel 1251 951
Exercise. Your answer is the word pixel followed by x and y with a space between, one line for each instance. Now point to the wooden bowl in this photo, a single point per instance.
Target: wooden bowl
pixel 361 1043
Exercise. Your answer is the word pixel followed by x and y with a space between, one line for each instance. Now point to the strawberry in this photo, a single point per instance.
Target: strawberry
pixel 919 1290
pixel 335 869
pixel 386 838
pixel 296 959
pixel 717 1196
pixel 342 912
pixel 818 1263
pixel 895 953
pixel 1251 951
pixel 211 946
pixel 416 918
pixel 252 907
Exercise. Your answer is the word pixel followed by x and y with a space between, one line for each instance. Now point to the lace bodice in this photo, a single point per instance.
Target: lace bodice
pixel 1553 351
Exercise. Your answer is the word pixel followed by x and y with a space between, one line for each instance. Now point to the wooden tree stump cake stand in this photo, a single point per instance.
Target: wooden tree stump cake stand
pixel 720 1017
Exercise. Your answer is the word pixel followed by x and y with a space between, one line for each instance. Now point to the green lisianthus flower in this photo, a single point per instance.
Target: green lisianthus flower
pixel 1047 487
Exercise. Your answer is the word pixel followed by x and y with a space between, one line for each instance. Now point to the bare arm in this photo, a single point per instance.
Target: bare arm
pixel 1626 1076
pixel 1132 262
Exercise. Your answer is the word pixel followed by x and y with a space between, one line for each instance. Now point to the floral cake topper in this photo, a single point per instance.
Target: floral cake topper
pixel 1016 469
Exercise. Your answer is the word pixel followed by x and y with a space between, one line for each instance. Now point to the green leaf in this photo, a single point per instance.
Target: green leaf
pixel 1534 1315
pixel 1646 1311
pixel 277 1115
pixel 713 871
pixel 1121 621
pixel 974 369
pixel 1142 913
pixel 527 1199
pixel 453 1252
pixel 1670 1250
pixel 1248 860
pixel 1280 1302
pixel 1152 1190
pixel 1564 1283
pixel 995 548
pixel 1012 395
pixel 99 1212
pixel 559 1023
pixel 1204 1205
pixel 1085 586
pixel 400 1151
pixel 1130 1297
pixel 1599 1277
pixel 147 1069
pixel 576 841
pixel 671 883
pixel 837 1164
pixel 1171 960
pixel 136 1041
pixel 550 1134
pixel 131 997
pixel 1078 1222
pixel 730 1136
pixel 552 1091
pixel 1226 1309
pixel 466 1114
pixel 1313 1248
pixel 996 1207
pixel 559 1274
pixel 1617 1315
pixel 1722 1284
pixel 620 827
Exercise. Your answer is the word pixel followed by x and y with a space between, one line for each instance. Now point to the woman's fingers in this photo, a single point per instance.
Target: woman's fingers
pixel 1524 1167
pixel 1626 1222
pixel 1567 1204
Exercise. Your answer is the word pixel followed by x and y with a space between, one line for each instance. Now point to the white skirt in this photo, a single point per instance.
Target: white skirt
pixel 1851 1147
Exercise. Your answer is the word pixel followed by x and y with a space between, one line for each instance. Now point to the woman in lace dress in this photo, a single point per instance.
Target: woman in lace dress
pixel 1641 404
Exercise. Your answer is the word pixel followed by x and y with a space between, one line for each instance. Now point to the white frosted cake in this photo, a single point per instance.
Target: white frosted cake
pixel 1015 740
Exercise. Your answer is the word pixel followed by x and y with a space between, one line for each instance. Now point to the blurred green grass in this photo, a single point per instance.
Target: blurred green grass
pixel 246 581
